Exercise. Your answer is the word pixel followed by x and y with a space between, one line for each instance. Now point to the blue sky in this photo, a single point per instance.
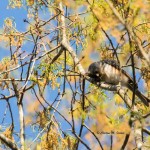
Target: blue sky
pixel 18 14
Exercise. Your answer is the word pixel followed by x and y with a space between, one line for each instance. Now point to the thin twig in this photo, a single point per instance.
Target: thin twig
pixel 94 136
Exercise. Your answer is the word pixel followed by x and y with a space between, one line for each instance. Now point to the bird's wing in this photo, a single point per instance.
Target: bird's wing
pixel 111 62
pixel 116 65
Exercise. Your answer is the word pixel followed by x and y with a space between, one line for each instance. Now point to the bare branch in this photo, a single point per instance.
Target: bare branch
pixel 66 45
pixel 21 115
pixel 94 136
pixel 8 142
pixel 21 119
pixel 146 131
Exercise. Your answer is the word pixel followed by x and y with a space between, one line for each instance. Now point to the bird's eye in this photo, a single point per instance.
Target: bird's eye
pixel 96 73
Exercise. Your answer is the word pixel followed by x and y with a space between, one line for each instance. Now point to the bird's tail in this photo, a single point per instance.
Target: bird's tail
pixel 142 97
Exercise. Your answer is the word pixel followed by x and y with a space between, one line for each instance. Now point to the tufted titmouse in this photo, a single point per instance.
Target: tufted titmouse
pixel 110 72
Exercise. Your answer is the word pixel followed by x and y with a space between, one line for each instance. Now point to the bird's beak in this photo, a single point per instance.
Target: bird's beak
pixel 87 73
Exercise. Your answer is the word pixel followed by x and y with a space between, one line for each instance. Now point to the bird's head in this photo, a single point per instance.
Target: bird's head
pixel 93 70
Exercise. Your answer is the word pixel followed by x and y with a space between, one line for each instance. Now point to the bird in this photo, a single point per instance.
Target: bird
pixel 110 72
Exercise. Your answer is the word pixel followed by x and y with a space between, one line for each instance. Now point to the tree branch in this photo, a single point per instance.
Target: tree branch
pixel 65 42
pixel 8 142
pixel 21 115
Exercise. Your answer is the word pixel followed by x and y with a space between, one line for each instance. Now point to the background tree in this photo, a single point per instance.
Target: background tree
pixel 49 102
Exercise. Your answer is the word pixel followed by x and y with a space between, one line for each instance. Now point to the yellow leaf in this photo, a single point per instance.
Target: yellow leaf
pixel 118 99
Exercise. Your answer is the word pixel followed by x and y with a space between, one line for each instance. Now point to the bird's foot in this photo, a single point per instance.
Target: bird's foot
pixel 119 85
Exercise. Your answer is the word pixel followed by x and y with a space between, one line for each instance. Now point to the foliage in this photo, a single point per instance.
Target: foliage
pixel 56 106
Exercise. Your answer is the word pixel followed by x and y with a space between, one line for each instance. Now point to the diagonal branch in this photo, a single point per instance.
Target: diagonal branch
pixel 8 142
